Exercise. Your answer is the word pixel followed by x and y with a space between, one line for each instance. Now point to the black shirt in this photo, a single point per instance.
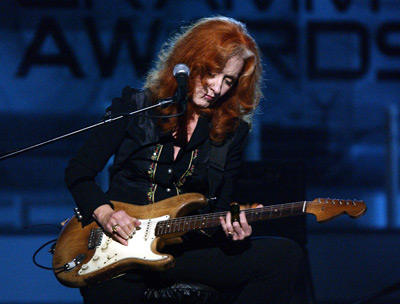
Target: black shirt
pixel 144 170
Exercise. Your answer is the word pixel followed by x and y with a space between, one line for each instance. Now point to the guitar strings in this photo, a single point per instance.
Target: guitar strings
pixel 212 218
pixel 249 211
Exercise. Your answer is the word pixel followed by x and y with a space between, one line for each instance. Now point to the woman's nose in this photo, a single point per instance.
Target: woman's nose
pixel 216 84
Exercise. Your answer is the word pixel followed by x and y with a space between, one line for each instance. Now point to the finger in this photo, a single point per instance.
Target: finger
pixel 125 222
pixel 136 222
pixel 223 225
pixel 132 224
pixel 245 225
pixel 116 230
pixel 126 233
pixel 120 239
pixel 128 227
pixel 109 227
pixel 113 229
pixel 238 232
pixel 119 231
pixel 228 233
pixel 228 221
pixel 242 229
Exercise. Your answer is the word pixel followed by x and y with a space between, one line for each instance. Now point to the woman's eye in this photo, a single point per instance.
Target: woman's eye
pixel 211 75
pixel 229 82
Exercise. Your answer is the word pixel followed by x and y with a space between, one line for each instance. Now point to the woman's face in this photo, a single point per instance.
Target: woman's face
pixel 217 84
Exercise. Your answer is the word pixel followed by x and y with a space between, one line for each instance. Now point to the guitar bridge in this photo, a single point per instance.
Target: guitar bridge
pixel 95 237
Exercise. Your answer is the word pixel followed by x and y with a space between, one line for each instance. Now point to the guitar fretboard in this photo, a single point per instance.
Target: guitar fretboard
pixel 210 220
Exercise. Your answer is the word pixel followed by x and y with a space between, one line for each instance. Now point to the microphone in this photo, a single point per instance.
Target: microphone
pixel 181 72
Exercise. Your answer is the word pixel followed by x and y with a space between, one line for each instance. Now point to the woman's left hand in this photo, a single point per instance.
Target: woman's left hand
pixel 237 231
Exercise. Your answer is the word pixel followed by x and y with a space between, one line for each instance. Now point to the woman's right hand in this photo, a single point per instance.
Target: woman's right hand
pixel 118 223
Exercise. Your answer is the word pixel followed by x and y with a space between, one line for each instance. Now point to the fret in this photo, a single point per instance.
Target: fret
pixel 195 223
pixel 182 225
pixel 159 228
pixel 206 223
pixel 202 222
pixel 175 224
pixel 169 227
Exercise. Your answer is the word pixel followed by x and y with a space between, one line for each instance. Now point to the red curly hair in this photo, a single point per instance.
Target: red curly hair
pixel 205 47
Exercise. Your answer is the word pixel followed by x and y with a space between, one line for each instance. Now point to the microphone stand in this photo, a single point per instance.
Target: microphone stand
pixel 162 103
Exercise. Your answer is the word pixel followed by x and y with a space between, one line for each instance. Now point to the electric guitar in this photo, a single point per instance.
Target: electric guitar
pixel 88 255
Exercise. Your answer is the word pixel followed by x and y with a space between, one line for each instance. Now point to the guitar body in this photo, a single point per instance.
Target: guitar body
pixel 94 256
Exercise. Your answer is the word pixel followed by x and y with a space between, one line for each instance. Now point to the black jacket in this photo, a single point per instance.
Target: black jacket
pixel 144 171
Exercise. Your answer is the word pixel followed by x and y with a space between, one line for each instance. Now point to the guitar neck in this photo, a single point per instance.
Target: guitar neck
pixel 211 220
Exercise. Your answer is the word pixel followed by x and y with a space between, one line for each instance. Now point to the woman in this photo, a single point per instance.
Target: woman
pixel 158 157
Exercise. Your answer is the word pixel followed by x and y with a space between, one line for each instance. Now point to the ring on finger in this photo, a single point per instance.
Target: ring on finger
pixel 114 228
pixel 230 232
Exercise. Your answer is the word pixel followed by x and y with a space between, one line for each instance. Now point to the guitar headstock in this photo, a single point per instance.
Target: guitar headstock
pixel 326 209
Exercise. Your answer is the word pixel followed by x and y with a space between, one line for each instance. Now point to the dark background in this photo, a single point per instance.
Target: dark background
pixel 331 96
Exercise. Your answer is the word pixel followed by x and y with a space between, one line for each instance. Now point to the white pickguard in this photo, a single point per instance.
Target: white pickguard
pixel 139 247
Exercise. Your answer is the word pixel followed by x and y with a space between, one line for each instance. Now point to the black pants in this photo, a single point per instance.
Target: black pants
pixel 263 270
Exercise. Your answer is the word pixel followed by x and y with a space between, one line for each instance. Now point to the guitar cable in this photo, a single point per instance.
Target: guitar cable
pixel 51 250
pixel 66 267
